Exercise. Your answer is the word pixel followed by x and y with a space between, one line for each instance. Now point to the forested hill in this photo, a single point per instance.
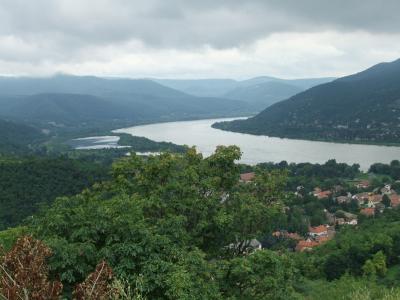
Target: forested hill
pixel 64 109
pixel 89 101
pixel 17 138
pixel 361 107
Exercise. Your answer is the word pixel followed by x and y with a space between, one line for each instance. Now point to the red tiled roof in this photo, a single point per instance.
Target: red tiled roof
pixel 303 245
pixel 247 176
pixel 318 229
pixel 369 211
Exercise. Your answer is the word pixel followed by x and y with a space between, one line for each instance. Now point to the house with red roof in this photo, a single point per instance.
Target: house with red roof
pixel 309 244
pixel 318 231
pixel 320 194
pixel 247 177
pixel 318 236
pixel 368 211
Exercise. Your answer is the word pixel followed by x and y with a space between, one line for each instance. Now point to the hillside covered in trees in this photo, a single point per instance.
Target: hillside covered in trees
pixel 71 103
pixel 363 107
pixel 18 138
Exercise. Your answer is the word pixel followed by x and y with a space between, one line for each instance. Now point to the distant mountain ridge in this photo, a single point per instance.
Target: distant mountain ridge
pixel 200 87
pixel 364 107
pixel 85 101
pixel 262 95
pixel 258 93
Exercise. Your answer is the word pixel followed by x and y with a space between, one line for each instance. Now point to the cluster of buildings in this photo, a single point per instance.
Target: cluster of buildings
pixel 368 202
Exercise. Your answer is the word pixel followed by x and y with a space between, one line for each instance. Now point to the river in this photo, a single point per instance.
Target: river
pixel 258 149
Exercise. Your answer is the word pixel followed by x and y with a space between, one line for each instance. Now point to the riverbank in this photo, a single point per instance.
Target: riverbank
pixel 217 125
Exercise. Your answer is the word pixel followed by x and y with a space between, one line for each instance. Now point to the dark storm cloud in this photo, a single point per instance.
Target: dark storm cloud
pixel 185 23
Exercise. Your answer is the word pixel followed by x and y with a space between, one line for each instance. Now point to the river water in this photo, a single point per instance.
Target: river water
pixel 258 149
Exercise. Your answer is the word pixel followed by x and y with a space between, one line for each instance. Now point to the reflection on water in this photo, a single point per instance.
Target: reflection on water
pixel 96 142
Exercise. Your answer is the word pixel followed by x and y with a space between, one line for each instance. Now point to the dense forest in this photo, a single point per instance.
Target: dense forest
pixel 16 138
pixel 180 226
pixel 26 184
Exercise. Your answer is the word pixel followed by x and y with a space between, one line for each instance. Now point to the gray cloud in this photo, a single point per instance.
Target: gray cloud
pixel 92 35
pixel 183 23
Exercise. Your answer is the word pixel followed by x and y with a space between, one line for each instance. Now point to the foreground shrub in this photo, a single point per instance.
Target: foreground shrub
pixel 24 274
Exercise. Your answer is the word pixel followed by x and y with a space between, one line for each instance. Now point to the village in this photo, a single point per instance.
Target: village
pixel 367 202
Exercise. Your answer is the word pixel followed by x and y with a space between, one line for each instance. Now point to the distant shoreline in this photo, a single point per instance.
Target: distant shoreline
pixel 315 139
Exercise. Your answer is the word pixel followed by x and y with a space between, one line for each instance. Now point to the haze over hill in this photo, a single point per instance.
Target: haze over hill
pixel 262 95
pixel 258 92
pixel 65 102
pixel 91 101
pixel 361 107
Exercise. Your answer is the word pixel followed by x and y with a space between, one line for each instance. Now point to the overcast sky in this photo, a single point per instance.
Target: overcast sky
pixel 197 38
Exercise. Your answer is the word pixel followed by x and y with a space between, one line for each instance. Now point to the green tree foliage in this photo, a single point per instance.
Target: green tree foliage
pixel 392 169
pixel 28 183
pixel 18 138
pixel 386 200
pixel 142 144
pixel 349 288
pixel 312 175
pixel 262 275
pixel 9 237
pixel 178 223
pixel 376 265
